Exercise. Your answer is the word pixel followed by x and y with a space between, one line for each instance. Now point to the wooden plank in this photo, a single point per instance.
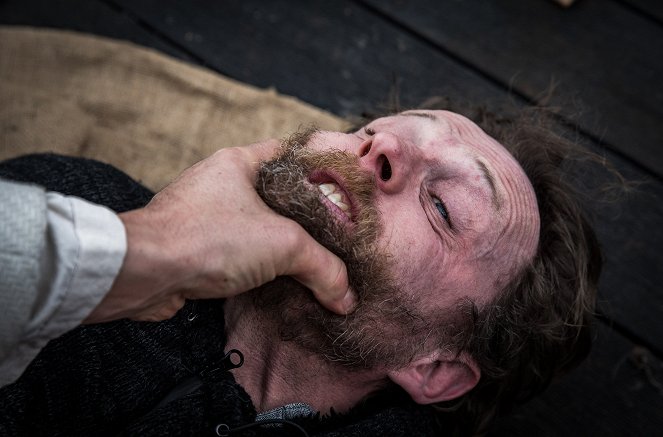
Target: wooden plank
pixel 89 16
pixel 330 54
pixel 652 8
pixel 631 236
pixel 618 391
pixel 603 58
pixel 340 57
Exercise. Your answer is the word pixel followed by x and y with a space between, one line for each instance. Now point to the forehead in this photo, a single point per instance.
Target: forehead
pixel 447 125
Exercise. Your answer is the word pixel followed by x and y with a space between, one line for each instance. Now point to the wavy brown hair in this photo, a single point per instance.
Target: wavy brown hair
pixel 538 326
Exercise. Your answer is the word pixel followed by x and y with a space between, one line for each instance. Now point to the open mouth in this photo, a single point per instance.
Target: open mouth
pixel 335 196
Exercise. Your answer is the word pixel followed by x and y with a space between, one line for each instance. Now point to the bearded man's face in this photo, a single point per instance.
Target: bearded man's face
pixel 386 328
pixel 432 216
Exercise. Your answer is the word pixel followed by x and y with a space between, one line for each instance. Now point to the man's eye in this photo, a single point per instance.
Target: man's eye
pixel 442 209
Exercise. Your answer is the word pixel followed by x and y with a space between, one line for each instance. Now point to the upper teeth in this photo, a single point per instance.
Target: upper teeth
pixel 336 196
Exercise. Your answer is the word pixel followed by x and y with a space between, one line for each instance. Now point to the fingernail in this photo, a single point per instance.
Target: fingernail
pixel 349 301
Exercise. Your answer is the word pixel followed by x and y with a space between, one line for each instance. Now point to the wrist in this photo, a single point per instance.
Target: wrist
pixel 149 274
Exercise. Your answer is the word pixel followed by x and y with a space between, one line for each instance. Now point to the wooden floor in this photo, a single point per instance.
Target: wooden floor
pixel 604 59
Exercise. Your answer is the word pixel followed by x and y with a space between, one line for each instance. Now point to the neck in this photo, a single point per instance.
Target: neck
pixel 276 372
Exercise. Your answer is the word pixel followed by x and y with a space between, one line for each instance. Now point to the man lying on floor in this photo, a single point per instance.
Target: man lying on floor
pixel 475 274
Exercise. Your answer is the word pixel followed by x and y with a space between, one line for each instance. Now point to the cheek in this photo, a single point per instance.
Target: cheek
pixel 403 227
pixel 418 255
pixel 426 268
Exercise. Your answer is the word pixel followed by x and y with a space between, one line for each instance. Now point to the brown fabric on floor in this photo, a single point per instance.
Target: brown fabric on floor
pixel 144 112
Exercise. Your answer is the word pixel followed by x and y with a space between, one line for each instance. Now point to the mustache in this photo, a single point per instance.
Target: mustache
pixel 283 184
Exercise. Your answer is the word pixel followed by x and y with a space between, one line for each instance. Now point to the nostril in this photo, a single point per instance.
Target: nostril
pixel 385 171
pixel 365 151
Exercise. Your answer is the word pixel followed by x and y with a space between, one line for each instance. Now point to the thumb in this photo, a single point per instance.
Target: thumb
pixel 261 151
pixel 322 272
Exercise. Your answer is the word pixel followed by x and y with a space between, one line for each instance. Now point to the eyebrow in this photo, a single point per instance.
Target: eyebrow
pixel 491 182
pixel 419 114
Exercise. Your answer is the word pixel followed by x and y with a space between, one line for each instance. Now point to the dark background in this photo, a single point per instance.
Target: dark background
pixel 602 58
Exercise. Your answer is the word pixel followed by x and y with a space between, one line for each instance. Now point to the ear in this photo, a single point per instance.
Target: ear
pixel 438 377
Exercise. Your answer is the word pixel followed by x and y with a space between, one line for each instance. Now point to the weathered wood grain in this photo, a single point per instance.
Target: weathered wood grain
pixel 603 60
pixel 650 8
pixel 84 16
pixel 616 392
pixel 331 54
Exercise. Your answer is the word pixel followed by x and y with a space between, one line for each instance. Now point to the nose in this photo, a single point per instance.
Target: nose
pixel 384 155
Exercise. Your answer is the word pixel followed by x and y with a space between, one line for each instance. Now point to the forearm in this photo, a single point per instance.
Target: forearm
pixel 148 285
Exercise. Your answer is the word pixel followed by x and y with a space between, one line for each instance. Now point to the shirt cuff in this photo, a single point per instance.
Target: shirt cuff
pixel 84 250
pixel 98 256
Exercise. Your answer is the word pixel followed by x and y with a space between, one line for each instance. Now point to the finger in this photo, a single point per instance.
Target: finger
pixel 262 151
pixel 323 273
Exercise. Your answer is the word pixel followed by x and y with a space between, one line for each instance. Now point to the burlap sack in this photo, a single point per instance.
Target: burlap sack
pixel 148 114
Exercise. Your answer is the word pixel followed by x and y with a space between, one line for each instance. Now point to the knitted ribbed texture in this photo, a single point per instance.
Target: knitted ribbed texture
pixel 107 379
pixel 91 180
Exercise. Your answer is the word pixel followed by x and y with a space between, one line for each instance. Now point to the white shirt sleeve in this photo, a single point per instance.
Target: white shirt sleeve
pixel 84 250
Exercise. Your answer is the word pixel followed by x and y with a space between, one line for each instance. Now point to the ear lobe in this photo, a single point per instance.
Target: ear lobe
pixel 434 379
